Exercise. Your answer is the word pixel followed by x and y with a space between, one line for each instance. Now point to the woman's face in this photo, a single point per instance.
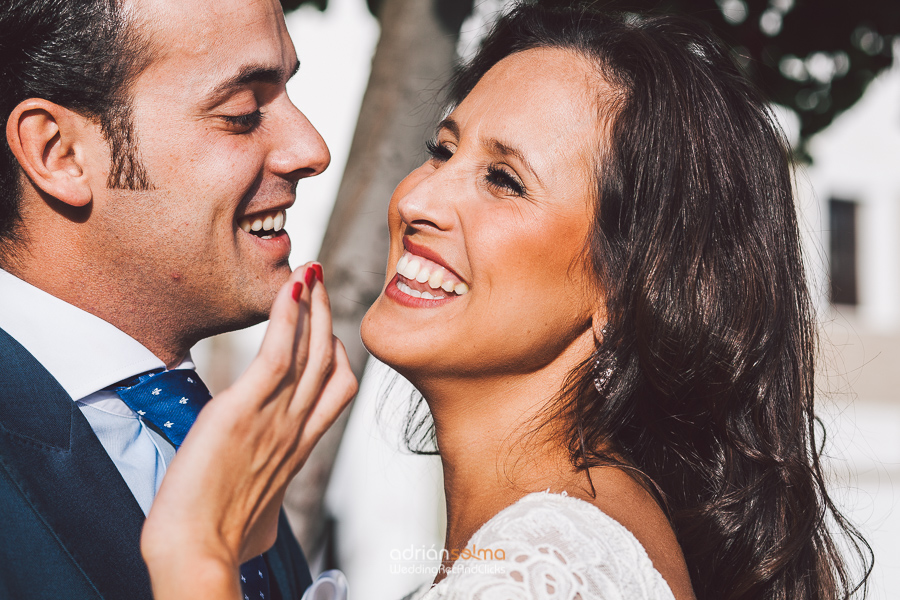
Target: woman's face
pixel 485 275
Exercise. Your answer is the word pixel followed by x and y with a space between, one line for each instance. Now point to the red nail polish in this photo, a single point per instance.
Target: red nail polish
pixel 309 276
pixel 319 274
pixel 296 291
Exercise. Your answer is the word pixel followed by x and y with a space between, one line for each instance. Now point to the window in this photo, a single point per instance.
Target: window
pixel 842 251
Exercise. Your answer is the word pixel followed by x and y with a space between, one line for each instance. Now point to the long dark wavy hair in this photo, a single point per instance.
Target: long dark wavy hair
pixel 709 345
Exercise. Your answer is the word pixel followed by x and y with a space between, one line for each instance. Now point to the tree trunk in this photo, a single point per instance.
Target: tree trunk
pixel 414 57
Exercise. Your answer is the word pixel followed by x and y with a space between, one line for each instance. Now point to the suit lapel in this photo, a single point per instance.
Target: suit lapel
pixel 50 451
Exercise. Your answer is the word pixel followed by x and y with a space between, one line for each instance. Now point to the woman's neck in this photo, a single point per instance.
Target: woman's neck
pixel 496 446
pixel 491 468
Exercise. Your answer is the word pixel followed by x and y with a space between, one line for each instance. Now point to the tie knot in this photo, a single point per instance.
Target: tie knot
pixel 170 400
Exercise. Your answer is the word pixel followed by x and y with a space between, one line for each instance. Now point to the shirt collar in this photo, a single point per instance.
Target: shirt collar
pixel 82 351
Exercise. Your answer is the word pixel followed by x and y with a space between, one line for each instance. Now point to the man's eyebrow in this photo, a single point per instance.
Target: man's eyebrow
pixel 250 74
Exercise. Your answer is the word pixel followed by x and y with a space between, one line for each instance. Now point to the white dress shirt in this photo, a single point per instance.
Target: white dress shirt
pixel 85 354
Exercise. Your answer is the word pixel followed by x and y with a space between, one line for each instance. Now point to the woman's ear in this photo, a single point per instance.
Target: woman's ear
pixel 48 140
pixel 598 323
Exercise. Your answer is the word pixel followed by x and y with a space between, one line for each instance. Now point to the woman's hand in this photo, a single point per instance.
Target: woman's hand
pixel 219 502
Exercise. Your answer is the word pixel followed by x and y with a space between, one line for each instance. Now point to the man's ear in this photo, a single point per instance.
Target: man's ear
pixel 49 142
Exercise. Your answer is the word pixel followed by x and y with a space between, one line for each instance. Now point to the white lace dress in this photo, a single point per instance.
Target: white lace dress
pixel 554 547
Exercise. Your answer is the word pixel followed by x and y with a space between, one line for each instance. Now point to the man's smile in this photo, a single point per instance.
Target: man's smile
pixel 265 225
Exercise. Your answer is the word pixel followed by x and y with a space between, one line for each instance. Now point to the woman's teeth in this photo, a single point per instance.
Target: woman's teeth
pixel 416 268
pixel 264 225
pixel 416 293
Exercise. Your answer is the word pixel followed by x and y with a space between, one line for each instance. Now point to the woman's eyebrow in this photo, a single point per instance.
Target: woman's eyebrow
pixel 450 125
pixel 493 145
pixel 497 147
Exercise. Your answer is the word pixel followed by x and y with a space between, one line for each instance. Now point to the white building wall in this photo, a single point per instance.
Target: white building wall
pixel 857 158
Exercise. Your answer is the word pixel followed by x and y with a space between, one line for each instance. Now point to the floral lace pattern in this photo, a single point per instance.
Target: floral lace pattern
pixel 554 547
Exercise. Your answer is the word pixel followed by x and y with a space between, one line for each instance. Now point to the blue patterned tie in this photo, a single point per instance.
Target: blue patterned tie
pixel 170 401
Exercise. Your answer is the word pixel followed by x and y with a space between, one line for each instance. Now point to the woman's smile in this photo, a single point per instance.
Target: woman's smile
pixel 423 275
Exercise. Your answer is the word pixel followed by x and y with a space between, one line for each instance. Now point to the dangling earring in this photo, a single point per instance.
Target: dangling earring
pixel 602 377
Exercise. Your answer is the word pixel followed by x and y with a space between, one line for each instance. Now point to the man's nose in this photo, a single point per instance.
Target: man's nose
pixel 298 150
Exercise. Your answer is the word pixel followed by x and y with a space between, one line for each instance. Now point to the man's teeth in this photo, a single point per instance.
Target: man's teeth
pixel 265 225
pixel 438 278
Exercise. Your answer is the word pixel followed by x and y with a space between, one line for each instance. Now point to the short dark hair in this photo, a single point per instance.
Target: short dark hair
pixel 702 382
pixel 81 54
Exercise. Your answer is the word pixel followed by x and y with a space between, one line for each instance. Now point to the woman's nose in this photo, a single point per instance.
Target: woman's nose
pixel 427 200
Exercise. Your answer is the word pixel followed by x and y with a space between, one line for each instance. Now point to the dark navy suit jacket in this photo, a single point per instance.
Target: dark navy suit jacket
pixel 69 525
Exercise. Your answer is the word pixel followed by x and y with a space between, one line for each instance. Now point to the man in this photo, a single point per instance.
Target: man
pixel 150 153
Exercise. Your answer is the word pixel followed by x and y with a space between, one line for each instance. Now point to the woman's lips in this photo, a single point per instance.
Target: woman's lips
pixel 400 290
pixel 423 283
pixel 419 276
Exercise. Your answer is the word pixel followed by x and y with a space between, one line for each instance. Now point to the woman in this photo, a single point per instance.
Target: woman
pixel 595 281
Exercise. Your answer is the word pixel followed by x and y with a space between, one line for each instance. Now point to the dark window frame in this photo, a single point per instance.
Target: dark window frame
pixel 843 252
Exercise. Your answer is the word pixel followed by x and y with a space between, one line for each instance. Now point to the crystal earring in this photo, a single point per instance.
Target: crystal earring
pixel 602 376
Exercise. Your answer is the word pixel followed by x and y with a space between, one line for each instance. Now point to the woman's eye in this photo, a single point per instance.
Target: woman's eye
pixel 246 122
pixel 438 152
pixel 500 178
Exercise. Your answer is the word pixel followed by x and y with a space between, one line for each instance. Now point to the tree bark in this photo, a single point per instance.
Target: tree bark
pixel 414 57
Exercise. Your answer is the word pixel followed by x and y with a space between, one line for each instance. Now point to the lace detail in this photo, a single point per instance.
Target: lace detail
pixel 554 547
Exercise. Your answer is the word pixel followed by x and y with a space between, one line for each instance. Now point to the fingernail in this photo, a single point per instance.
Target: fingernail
pixel 309 276
pixel 319 274
pixel 296 291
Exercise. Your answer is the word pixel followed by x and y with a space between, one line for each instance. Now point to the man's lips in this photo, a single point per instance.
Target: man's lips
pixel 264 225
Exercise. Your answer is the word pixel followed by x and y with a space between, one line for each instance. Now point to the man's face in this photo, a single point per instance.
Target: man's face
pixel 223 147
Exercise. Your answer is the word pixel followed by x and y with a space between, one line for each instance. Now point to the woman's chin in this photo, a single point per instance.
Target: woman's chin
pixel 381 336
pixel 366 330
pixel 386 339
